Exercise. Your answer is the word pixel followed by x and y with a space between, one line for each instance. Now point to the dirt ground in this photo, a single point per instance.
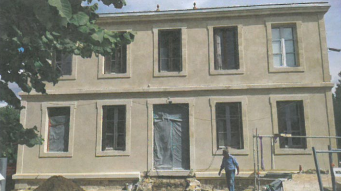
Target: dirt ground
pixel 305 182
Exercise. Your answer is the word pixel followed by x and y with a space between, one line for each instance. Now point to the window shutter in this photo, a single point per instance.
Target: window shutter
pixel 218 57
pixel 107 65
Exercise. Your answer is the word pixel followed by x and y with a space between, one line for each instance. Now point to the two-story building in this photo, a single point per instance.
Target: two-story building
pixel 192 83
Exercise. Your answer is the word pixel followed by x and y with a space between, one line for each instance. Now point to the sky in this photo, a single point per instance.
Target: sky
pixel 332 20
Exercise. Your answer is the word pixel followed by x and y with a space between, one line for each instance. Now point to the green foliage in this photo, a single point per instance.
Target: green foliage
pixel 31 30
pixel 337 108
pixel 12 133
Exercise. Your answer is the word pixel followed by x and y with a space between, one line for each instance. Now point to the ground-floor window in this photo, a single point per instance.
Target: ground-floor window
pixel 291 121
pixel 58 129
pixel 229 125
pixel 114 128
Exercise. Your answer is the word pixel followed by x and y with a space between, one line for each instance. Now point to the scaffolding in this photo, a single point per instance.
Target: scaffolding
pixel 272 139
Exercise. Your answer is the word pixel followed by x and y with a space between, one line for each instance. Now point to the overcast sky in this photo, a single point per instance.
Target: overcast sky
pixel 332 18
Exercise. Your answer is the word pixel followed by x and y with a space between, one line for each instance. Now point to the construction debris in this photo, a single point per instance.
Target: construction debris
pixel 58 183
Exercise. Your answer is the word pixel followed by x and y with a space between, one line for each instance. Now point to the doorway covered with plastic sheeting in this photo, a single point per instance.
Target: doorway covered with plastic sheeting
pixel 171 137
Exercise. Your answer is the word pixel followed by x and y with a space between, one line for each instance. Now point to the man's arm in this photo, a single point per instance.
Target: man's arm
pixel 237 165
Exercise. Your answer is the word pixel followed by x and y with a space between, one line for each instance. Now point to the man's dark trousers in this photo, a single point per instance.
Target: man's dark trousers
pixel 230 174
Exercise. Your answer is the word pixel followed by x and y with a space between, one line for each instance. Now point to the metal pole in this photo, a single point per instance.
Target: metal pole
pixel 254 161
pixel 331 168
pixel 272 153
pixel 257 160
pixel 317 169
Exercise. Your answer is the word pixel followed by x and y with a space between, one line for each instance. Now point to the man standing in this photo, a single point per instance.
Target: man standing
pixel 230 164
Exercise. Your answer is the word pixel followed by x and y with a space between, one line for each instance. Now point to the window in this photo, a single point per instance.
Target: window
pixel 117 62
pixel 170 57
pixel 229 125
pixel 291 121
pixel 63 63
pixel 114 128
pixel 226 48
pixel 58 129
pixel 283 47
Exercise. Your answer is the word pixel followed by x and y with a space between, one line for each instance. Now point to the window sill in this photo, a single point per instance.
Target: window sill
pixel 67 77
pixel 170 173
pixel 55 155
pixel 234 152
pixel 170 74
pixel 108 76
pixel 227 72
pixel 285 69
pixel 112 153
pixel 291 151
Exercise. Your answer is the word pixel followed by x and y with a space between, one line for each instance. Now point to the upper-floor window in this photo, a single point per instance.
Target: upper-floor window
pixel 114 128
pixel 291 121
pixel 229 125
pixel 58 129
pixel 226 48
pixel 170 58
pixel 283 47
pixel 117 62
pixel 63 63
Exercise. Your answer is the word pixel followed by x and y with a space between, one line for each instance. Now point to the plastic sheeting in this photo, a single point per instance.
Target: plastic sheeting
pixel 171 137
pixel 58 134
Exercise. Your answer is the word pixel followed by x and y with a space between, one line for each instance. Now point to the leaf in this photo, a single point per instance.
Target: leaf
pixel 84 29
pixel 79 19
pixel 63 7
pixel 98 36
pixel 49 36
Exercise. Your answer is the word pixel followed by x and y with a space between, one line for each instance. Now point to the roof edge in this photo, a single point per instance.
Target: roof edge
pixel 318 7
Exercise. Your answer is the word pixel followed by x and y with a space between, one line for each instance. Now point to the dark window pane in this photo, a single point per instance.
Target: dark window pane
pixel 291 121
pixel 117 62
pixel 114 127
pixel 229 120
pixel 170 51
pixel 58 133
pixel 120 145
pixel 226 48
pixel 63 63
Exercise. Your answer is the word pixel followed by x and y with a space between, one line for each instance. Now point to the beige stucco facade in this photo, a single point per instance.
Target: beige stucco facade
pixel 257 85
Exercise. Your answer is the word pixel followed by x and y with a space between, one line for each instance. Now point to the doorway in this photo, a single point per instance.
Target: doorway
pixel 171 137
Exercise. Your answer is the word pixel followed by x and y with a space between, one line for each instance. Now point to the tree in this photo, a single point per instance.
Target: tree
pixel 337 110
pixel 12 133
pixel 32 30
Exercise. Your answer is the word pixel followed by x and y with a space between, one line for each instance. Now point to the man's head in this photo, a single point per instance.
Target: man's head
pixel 226 152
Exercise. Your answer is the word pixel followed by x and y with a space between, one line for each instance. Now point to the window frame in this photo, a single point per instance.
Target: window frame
pixel 101 63
pixel 240 128
pixel 45 129
pixel 290 141
pixel 244 102
pixel 170 26
pixel 115 128
pixel 240 48
pixel 275 128
pixel 298 46
pixel 108 153
pixel 73 75
pixel 121 49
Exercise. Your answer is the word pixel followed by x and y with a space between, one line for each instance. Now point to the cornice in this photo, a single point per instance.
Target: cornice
pixel 181 89
pixel 316 7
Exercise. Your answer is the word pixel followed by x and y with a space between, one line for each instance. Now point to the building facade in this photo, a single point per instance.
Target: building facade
pixel 192 83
